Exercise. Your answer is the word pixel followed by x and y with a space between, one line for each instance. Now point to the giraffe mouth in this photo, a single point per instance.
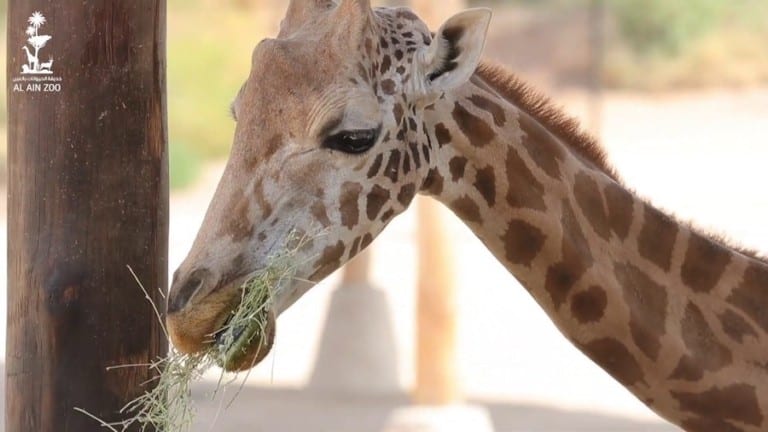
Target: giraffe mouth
pixel 243 345
pixel 246 327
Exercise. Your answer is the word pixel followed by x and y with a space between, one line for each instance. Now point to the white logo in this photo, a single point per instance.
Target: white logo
pixel 37 73
pixel 37 42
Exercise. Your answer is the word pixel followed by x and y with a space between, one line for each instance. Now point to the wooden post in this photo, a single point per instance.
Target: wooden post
pixel 436 381
pixel 439 402
pixel 436 375
pixel 88 196
pixel 356 272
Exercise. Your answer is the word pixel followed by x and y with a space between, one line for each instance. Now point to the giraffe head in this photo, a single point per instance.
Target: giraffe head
pixel 329 141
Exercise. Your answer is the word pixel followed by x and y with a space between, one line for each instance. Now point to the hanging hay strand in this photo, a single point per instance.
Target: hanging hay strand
pixel 169 407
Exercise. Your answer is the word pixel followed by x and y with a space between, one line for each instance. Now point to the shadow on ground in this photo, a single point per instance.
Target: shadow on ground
pixel 258 409
pixel 283 410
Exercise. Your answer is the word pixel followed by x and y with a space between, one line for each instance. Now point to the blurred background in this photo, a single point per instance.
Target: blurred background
pixel 676 91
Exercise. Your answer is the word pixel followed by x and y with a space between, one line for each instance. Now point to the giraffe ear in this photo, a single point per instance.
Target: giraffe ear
pixel 452 57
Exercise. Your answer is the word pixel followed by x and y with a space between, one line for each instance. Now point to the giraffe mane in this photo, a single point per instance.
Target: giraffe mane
pixel 551 116
pixel 567 128
pixel 720 238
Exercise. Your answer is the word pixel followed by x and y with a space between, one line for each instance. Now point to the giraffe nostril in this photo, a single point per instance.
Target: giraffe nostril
pixel 182 293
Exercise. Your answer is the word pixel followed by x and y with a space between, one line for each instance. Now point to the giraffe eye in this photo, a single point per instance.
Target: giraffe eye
pixel 353 142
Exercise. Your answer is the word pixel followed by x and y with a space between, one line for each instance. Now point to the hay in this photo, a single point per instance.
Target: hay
pixel 169 406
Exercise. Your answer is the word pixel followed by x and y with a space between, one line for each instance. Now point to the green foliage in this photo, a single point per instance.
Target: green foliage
pixel 695 43
pixel 185 165
pixel 209 53
pixel 664 26
pixel 207 64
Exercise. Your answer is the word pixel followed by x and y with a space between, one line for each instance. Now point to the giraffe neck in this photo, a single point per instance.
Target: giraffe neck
pixel 678 318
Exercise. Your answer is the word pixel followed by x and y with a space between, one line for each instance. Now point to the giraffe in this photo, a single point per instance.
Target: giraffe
pixel 352 111
pixel 33 61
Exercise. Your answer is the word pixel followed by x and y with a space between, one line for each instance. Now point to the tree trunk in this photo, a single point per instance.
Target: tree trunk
pixel 88 196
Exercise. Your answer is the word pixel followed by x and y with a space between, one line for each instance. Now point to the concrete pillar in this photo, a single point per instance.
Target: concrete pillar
pixel 357 352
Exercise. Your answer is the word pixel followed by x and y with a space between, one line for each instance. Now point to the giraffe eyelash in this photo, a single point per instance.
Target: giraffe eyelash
pixel 353 141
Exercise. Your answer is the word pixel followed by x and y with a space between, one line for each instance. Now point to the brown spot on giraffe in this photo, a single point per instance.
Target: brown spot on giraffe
pixel 270 148
pixel 239 227
pixel 320 215
pixel 588 306
pixel 406 195
pixel 442 134
pixel 406 163
pixel 477 131
pixel 485 104
pixel 524 190
pixel 387 216
pixel 457 166
pixel 704 264
pixel 522 242
pixel 736 402
pixel 621 209
pixel 657 237
pixel 700 424
pixel 402 132
pixel 467 209
pixel 736 327
pixel 349 204
pixel 386 63
pixel 377 197
pixel 329 261
pixel 412 124
pixel 687 370
pixel 398 111
pixel 590 200
pixel 376 166
pixel 392 171
pixel 702 344
pixel 434 183
pixel 616 359
pixel 542 146
pixel 415 154
pixel 647 302
pixel 367 240
pixel 751 295
pixel 577 258
pixel 485 183
pixel 388 87
pixel 353 251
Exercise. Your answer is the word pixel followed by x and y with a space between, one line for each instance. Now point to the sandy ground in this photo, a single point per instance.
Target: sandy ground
pixel 701 155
